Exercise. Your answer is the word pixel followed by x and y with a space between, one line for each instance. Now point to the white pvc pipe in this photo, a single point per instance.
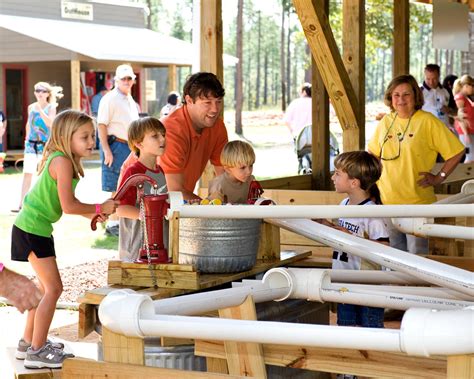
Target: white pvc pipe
pixel 315 285
pixel 315 211
pixel 373 277
pixel 426 269
pixel 437 292
pixel 459 198
pixel 421 227
pixel 200 303
pixel 133 315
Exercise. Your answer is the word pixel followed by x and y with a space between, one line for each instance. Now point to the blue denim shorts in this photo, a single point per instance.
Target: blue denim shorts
pixel 358 315
pixel 110 175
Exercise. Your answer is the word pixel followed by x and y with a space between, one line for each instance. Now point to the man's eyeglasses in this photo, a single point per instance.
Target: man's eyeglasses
pixel 41 91
pixel 126 79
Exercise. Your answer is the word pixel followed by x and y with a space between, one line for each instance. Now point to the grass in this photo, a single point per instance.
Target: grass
pixel 105 242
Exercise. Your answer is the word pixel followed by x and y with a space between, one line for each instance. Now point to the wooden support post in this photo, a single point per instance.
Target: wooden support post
pixel 326 55
pixel 320 137
pixel 174 237
pixel 121 349
pixel 76 85
pixel 244 358
pixel 172 78
pixel 469 244
pixel 401 37
pixel 443 246
pixel 460 366
pixel 87 320
pixel 269 244
pixel 216 365
pixel 353 46
pixel 211 38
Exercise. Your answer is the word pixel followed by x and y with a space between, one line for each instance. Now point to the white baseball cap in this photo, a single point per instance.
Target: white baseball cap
pixel 123 71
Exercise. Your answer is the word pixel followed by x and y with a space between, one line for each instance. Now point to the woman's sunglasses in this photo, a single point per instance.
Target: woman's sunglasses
pixel 41 91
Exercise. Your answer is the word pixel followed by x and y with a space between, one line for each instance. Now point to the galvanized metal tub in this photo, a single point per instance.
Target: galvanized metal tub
pixel 219 245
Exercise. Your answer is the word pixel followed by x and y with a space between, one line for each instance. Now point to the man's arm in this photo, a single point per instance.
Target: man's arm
pixel 18 289
pixel 103 137
pixel 175 182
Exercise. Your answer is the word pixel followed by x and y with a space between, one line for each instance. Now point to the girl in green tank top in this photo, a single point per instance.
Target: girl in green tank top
pixel 72 138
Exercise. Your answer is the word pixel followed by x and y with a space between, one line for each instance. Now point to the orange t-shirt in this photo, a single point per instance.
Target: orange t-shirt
pixel 187 152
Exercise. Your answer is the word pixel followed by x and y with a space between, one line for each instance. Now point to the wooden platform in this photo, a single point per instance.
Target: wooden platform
pixel 25 373
pixel 186 276
pixel 139 279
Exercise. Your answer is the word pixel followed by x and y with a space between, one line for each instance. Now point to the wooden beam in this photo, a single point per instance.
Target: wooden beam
pixel 325 52
pixel 320 176
pixel 76 85
pixel 461 366
pixel 172 78
pixel 320 132
pixel 353 46
pixel 211 38
pixel 78 368
pixel 121 349
pixel 269 243
pixel 357 362
pixel 244 358
pixel 401 37
pixel 174 238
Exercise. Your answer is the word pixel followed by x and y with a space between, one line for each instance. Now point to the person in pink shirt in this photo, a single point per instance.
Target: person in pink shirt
pixel 464 122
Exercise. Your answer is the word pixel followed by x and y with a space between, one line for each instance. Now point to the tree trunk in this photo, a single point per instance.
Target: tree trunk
pixel 257 92
pixel 307 72
pixel 265 78
pixel 288 61
pixel 282 60
pixel 148 17
pixel 239 97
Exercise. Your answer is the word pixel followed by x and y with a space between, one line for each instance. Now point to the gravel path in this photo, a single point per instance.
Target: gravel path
pixel 80 278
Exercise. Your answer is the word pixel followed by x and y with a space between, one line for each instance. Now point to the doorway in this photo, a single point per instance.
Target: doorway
pixel 15 110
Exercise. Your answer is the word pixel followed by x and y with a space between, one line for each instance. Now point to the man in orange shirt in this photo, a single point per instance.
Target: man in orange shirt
pixel 195 134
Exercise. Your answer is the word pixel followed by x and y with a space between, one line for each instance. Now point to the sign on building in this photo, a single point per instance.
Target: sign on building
pixel 77 11
pixel 150 90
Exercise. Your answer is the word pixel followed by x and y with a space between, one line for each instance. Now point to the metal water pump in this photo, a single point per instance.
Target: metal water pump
pixel 153 208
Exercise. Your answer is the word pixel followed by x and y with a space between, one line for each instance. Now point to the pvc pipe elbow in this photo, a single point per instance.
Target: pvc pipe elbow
pixel 426 332
pixel 121 310
pixel 413 226
pixel 303 284
pixel 176 201
pixel 468 187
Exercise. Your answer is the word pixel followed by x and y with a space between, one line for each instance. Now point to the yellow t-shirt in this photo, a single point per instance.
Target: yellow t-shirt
pixel 410 147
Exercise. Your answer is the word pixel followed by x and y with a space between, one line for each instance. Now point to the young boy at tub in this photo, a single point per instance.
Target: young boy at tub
pixel 72 138
pixel 146 138
pixel 232 186
pixel 355 174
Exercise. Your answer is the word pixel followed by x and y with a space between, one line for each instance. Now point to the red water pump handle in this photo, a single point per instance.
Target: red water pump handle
pixel 131 181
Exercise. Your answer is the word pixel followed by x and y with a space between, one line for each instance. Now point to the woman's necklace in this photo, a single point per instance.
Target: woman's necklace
pixel 400 136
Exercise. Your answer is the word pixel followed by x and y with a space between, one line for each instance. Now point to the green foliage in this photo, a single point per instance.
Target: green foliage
pixel 106 242
pixel 379 44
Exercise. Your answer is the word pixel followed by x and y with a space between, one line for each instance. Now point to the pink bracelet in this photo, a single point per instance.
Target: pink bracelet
pixel 1 266
pixel 98 209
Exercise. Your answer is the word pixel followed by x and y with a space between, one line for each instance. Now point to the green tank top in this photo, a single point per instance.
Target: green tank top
pixel 41 207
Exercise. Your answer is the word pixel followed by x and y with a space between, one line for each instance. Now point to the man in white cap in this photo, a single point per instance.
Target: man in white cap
pixel 117 110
